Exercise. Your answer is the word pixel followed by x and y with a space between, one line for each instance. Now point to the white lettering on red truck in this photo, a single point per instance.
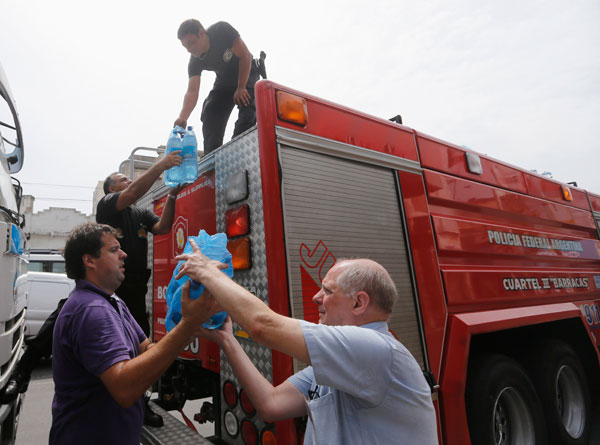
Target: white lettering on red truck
pixel 514 284
pixel 534 242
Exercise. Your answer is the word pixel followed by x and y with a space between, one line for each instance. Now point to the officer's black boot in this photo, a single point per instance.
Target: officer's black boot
pixel 18 383
pixel 150 417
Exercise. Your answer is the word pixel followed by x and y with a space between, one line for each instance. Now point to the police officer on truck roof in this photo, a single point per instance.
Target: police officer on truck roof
pixel 218 48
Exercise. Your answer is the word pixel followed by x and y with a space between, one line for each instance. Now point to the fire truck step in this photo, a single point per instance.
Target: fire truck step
pixel 172 432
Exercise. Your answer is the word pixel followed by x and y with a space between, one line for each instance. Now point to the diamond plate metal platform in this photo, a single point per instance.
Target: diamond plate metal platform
pixel 172 432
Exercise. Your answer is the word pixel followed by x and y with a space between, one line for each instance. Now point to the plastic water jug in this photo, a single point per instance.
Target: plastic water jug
pixel 175 175
pixel 190 156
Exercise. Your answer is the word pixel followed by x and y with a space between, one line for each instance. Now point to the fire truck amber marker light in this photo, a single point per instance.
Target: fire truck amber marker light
pixel 292 108
pixel 240 251
pixel 566 193
pixel 268 438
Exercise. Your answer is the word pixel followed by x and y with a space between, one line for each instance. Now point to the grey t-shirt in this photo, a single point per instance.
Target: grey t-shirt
pixel 363 387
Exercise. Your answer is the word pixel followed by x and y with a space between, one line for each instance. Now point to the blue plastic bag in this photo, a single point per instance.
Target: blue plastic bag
pixel 214 247
pixel 17 240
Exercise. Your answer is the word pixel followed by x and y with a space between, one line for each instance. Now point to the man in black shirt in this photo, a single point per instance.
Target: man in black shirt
pixel 117 210
pixel 220 49
pixel 133 223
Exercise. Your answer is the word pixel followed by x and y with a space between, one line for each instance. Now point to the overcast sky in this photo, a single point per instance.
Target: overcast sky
pixel 517 80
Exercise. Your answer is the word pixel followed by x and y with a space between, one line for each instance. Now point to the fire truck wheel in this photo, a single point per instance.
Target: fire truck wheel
pixel 562 385
pixel 502 405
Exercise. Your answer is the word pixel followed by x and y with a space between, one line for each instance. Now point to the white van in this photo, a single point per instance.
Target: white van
pixel 45 260
pixel 44 286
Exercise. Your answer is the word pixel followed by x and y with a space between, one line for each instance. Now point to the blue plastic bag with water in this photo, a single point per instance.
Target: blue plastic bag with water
pixel 215 248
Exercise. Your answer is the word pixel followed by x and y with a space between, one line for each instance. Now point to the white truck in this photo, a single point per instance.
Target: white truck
pixel 12 261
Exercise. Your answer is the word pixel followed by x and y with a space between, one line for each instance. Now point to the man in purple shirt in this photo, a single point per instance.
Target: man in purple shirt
pixel 102 362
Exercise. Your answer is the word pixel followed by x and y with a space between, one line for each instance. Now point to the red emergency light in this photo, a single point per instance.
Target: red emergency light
pixel 249 433
pixel 230 394
pixel 246 404
pixel 237 222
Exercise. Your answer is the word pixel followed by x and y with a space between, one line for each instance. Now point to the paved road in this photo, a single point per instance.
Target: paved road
pixel 36 412
pixel 36 416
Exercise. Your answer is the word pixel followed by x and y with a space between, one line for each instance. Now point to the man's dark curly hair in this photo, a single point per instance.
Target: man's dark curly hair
pixel 85 239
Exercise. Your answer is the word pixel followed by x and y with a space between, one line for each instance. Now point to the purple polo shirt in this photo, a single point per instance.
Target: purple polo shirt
pixel 90 336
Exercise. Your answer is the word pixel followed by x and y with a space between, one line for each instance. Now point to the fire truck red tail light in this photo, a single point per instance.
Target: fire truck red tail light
pixel 246 404
pixel 267 437
pixel 237 221
pixel 566 193
pixel 230 394
pixel 292 108
pixel 249 433
pixel 240 251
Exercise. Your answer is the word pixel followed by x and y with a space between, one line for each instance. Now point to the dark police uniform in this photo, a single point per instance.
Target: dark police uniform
pixel 219 103
pixel 133 224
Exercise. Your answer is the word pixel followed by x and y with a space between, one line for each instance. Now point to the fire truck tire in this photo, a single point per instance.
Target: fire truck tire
pixel 502 405
pixel 561 384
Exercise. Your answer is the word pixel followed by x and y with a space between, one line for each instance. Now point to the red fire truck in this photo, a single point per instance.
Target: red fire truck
pixel 498 268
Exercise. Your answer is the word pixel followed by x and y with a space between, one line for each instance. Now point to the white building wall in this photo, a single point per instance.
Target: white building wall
pixel 50 228
pixel 97 196
pixel 141 164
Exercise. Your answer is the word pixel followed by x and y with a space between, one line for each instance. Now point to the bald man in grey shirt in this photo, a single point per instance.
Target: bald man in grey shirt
pixel 361 386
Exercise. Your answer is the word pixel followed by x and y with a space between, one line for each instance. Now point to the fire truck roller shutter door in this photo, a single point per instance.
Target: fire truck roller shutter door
pixel 340 208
